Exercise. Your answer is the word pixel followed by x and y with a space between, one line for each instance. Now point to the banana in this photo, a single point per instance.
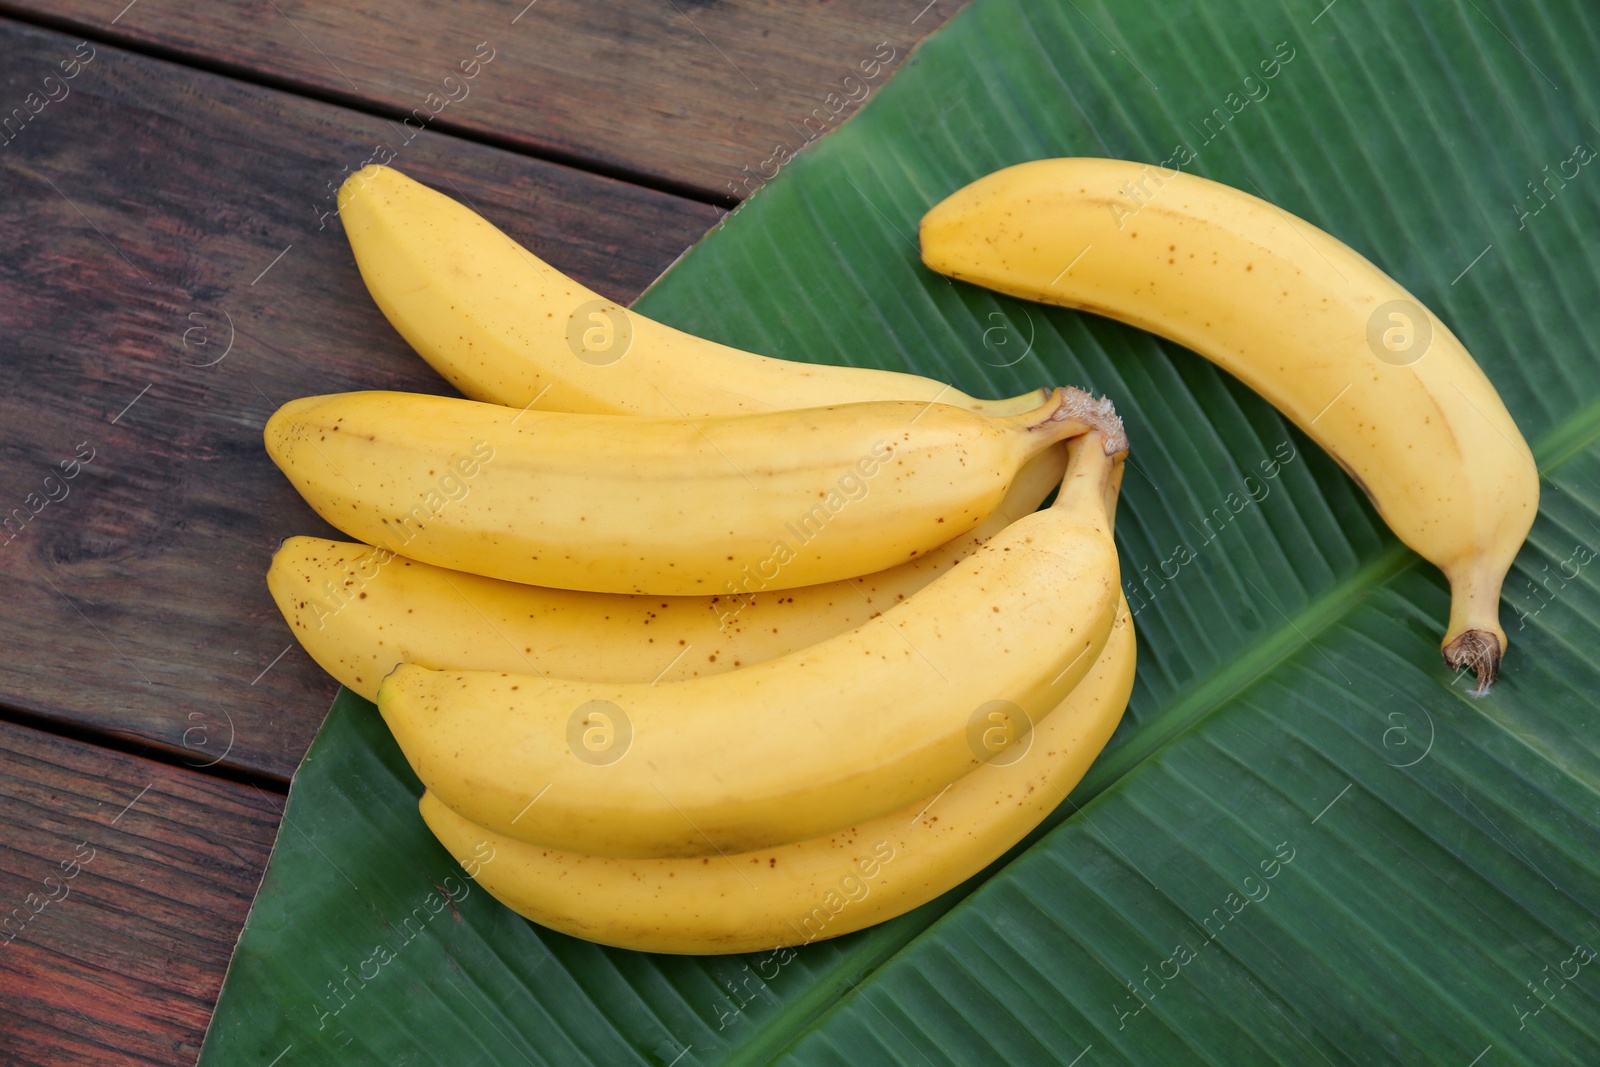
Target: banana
pixel 505 327
pixel 815 889
pixel 1329 339
pixel 625 504
pixel 797 747
pixel 359 611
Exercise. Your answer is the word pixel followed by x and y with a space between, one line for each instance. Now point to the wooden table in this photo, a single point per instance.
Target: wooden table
pixel 171 271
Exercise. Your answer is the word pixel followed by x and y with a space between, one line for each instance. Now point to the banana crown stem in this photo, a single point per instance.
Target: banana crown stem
pixel 1070 411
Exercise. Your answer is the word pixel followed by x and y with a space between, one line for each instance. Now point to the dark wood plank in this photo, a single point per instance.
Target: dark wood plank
pixel 691 92
pixel 124 884
pixel 146 211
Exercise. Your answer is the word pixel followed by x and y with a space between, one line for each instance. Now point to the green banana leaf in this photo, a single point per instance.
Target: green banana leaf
pixel 1307 843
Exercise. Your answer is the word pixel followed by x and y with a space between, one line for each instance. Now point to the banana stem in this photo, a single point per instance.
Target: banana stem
pixel 1114 488
pixel 1012 405
pixel 1091 479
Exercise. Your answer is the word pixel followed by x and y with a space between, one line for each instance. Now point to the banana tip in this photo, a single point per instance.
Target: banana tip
pixel 389 678
pixel 282 426
pixel 385 695
pixel 1479 650
pixel 359 180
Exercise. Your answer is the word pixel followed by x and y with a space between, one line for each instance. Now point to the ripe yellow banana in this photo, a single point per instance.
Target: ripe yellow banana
pixel 360 611
pixel 626 504
pixel 1329 339
pixel 505 327
pixel 815 889
pixel 800 746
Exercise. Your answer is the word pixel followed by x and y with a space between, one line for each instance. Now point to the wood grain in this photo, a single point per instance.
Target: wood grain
pixel 154 213
pixel 124 884
pixel 688 92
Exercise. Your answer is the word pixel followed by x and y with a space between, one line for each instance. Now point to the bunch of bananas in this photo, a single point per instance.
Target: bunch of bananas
pixel 696 650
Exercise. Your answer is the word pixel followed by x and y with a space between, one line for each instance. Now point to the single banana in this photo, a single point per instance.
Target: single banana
pixel 626 504
pixel 800 746
pixel 360 611
pixel 505 327
pixel 815 889
pixel 1329 339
